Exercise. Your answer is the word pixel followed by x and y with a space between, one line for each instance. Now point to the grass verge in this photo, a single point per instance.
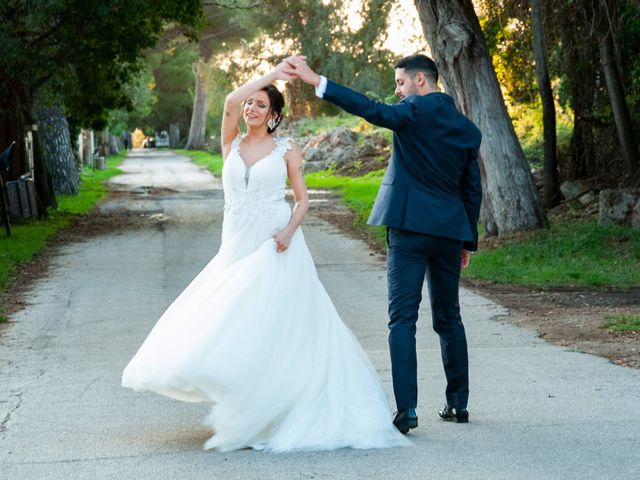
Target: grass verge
pixel 213 161
pixel 623 323
pixel 357 192
pixel 569 253
pixel 573 253
pixel 30 237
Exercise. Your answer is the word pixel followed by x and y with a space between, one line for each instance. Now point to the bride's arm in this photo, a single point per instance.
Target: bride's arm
pixel 233 103
pixel 296 179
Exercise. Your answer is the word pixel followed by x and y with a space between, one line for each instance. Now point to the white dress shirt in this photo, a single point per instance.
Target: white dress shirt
pixel 322 86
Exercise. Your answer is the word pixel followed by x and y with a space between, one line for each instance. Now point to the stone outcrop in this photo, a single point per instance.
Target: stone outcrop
pixel 578 191
pixel 342 150
pixel 332 148
pixel 621 207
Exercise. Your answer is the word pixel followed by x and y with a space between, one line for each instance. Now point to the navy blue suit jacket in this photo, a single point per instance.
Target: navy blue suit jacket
pixel 432 184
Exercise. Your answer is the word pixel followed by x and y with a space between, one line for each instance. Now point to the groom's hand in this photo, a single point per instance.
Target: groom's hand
pixel 298 64
pixel 465 258
pixel 284 71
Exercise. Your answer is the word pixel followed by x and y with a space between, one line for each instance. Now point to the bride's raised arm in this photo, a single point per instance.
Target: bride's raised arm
pixel 233 103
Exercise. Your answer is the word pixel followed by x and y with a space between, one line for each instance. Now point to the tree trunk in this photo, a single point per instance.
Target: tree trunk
pixel 104 143
pixel 57 149
pixel 510 199
pixel 87 146
pixel 16 118
pixel 45 195
pixel 199 115
pixel 174 135
pixel 621 116
pixel 552 195
pixel 298 104
pixel 580 69
pixel 114 145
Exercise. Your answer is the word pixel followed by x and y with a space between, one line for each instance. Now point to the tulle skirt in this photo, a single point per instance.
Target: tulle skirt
pixel 256 335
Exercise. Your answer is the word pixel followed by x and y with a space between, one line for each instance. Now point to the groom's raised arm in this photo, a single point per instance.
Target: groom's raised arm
pixel 378 113
pixel 393 116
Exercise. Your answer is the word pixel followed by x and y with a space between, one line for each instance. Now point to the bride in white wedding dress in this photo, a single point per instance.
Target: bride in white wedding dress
pixel 255 333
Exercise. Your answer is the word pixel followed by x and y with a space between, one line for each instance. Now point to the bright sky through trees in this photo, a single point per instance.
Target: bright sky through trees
pixel 404 34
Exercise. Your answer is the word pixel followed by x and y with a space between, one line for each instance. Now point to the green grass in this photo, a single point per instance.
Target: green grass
pixel 357 192
pixel 92 189
pixel 623 323
pixel 213 161
pixel 568 254
pixel 576 253
pixel 28 238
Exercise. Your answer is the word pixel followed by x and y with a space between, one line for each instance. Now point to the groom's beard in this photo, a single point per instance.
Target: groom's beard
pixel 413 90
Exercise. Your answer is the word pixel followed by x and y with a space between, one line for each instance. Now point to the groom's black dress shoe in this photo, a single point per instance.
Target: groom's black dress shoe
pixel 456 415
pixel 406 419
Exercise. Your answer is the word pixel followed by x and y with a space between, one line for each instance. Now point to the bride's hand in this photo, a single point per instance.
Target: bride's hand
pixel 282 240
pixel 284 71
pixel 298 66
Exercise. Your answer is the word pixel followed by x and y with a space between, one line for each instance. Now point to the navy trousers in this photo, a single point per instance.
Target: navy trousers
pixel 410 256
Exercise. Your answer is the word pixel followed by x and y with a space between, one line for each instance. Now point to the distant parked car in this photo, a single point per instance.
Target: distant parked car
pixel 149 142
pixel 162 139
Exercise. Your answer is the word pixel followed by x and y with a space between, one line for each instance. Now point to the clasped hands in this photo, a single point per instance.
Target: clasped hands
pixel 294 67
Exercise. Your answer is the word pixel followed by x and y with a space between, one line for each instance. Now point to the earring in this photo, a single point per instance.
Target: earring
pixel 271 123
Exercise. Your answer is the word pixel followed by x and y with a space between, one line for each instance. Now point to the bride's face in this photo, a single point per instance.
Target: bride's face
pixel 256 109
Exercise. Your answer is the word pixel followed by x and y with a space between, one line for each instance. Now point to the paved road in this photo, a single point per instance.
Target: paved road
pixel 538 411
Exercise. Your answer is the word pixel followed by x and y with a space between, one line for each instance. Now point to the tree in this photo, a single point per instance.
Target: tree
pixel 511 200
pixel 221 31
pixel 197 126
pixel 552 194
pixel 172 69
pixel 317 29
pixel 142 92
pixel 57 147
pixel 86 50
pixel 609 63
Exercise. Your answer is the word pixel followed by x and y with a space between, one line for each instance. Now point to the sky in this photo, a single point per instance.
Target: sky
pixel 405 31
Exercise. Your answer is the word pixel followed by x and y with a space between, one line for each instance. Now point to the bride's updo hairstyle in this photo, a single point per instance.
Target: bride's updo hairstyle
pixel 277 104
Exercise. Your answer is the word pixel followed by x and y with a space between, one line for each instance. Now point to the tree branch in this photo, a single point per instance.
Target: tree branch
pixel 232 5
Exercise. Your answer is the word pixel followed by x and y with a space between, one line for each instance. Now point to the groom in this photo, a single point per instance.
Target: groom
pixel 429 200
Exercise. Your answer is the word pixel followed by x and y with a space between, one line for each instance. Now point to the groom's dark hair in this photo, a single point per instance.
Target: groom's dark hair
pixel 419 63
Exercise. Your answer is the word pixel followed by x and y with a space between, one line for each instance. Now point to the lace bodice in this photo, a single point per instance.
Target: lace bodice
pixel 258 187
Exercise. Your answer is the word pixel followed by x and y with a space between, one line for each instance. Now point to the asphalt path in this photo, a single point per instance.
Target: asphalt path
pixel 537 411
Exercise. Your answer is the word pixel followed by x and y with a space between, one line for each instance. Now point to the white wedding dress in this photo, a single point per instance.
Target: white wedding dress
pixel 256 334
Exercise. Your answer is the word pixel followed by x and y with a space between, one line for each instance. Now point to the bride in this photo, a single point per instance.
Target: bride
pixel 255 333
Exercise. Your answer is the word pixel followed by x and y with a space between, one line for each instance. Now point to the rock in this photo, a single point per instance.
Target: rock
pixel 368 148
pixel 342 137
pixel 331 148
pixel 340 149
pixel 571 190
pixel 588 198
pixel 621 207
pixel 635 216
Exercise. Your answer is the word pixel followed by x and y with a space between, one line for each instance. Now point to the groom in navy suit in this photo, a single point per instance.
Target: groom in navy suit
pixel 429 200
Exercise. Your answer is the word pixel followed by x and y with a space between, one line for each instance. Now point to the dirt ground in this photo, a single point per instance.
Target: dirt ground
pixel 572 318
